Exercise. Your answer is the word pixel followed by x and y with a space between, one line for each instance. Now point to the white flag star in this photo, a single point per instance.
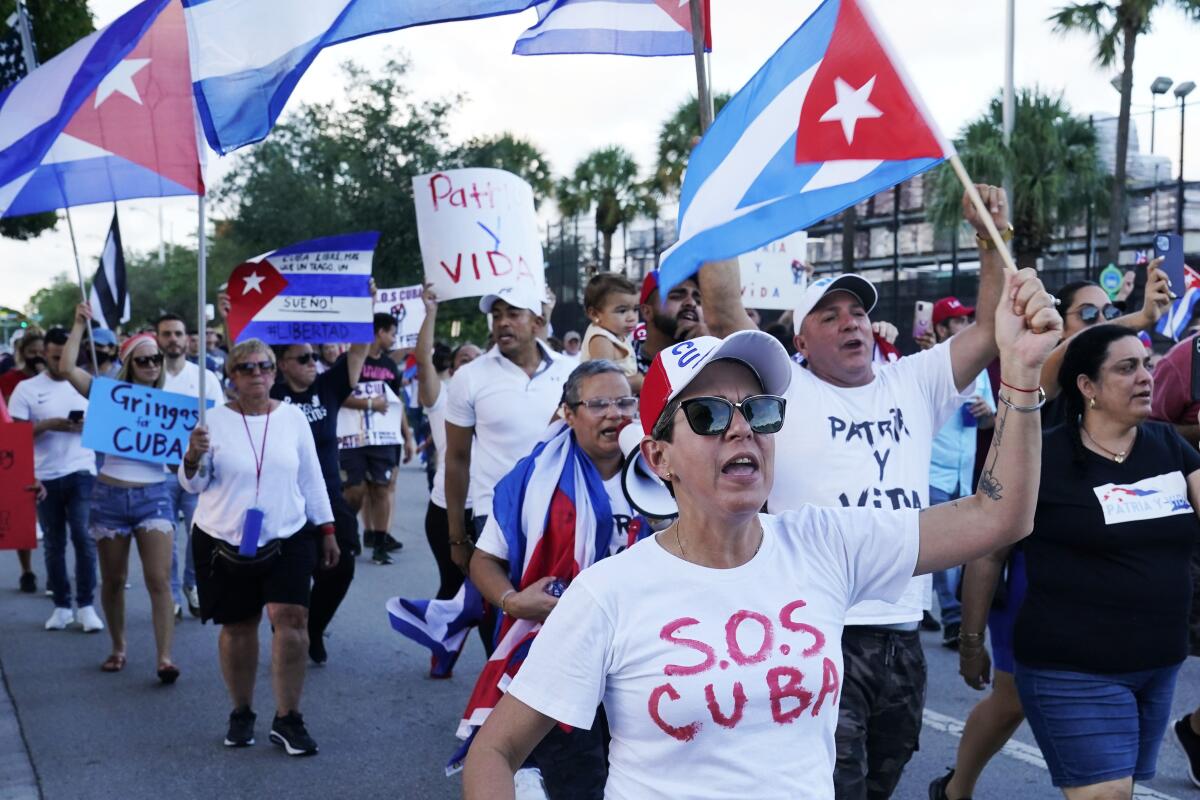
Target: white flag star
pixel 120 79
pixel 852 105
pixel 253 283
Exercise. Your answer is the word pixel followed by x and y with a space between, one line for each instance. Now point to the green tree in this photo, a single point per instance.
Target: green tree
pixel 513 154
pixel 56 25
pixel 1117 25
pixel 55 304
pixel 675 139
pixel 1053 162
pixel 606 180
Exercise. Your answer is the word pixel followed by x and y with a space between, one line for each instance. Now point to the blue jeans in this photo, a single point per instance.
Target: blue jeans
pixel 185 506
pixel 64 510
pixel 945 582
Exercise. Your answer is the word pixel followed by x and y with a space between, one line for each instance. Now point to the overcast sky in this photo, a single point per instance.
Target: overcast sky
pixel 569 105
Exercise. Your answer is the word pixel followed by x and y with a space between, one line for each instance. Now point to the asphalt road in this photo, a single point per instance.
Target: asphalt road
pixel 385 730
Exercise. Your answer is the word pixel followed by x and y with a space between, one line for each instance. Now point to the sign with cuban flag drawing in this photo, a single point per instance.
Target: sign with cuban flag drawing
pixel 110 118
pixel 829 120
pixel 315 291
pixel 613 27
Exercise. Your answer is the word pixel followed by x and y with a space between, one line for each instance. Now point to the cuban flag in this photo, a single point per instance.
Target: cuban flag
pixel 248 55
pixel 314 291
pixel 829 120
pixel 440 625
pixel 110 118
pixel 1175 322
pixel 613 27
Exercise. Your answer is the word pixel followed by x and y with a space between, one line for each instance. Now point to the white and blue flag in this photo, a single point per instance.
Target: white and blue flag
pixel 248 55
pixel 613 27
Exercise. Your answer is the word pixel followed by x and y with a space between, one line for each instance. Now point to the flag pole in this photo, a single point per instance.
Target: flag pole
pixel 202 307
pixel 984 214
pixel 82 289
pixel 703 90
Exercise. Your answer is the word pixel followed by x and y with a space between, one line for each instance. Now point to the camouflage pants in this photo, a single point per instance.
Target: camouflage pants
pixel 879 720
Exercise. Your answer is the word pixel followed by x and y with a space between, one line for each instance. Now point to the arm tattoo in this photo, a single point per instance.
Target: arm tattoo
pixel 989 485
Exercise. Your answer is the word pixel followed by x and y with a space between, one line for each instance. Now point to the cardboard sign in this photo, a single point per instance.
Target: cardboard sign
pixel 363 428
pixel 478 232
pixel 407 308
pixel 18 505
pixel 773 276
pixel 139 422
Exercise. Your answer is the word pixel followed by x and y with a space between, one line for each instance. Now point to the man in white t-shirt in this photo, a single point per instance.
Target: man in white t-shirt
pixel 859 434
pixel 68 471
pixel 183 377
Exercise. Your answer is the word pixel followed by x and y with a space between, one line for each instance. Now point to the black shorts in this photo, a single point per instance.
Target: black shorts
pixel 226 597
pixel 374 464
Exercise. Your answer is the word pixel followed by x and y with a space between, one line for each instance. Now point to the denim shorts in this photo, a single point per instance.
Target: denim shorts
pixel 119 510
pixel 1095 727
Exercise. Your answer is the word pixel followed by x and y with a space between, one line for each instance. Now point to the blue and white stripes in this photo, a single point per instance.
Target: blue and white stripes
pixel 617 27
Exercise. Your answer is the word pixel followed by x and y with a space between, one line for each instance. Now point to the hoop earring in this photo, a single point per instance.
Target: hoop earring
pixel 1091 402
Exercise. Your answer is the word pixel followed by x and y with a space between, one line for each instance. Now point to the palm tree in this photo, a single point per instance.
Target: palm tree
pixel 675 139
pixel 511 153
pixel 1117 24
pixel 1055 169
pixel 606 180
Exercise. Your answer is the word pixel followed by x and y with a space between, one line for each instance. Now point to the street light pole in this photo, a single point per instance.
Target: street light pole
pixel 1181 91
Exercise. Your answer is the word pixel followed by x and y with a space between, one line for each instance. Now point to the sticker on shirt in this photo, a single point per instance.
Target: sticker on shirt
pixel 1151 498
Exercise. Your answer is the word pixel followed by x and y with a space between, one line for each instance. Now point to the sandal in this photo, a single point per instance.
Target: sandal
pixel 114 663
pixel 168 674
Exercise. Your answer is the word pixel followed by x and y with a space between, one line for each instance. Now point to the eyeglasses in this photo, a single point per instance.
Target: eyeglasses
pixel 712 416
pixel 304 359
pixel 1089 314
pixel 625 405
pixel 146 361
pixel 250 367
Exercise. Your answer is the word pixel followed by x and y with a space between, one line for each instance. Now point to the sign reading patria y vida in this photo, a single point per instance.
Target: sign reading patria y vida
pixel 139 422
pixel 773 276
pixel 478 232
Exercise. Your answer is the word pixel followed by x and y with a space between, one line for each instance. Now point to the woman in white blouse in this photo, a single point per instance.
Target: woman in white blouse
pixel 262 522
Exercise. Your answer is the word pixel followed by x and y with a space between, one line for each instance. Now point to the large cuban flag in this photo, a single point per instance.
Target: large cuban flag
pixel 614 27
pixel 110 118
pixel 829 120
pixel 248 55
pixel 315 291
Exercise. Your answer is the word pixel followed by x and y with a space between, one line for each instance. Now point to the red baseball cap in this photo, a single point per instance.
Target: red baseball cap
pixel 949 308
pixel 649 285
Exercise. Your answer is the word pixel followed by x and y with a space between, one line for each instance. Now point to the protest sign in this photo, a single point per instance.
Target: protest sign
pixel 773 276
pixel 316 291
pixel 367 428
pixel 407 308
pixel 478 232
pixel 139 422
pixel 18 510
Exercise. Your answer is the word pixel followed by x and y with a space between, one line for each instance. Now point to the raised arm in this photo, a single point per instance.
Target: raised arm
pixel 76 375
pixel 429 383
pixel 1001 510
pixel 972 349
pixel 721 292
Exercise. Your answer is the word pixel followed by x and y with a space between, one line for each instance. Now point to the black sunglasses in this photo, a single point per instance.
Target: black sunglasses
pixel 1088 313
pixel 304 359
pixel 249 367
pixel 146 361
pixel 712 416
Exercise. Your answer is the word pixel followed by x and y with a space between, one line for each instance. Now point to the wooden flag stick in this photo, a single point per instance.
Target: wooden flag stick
pixel 984 213
pixel 703 89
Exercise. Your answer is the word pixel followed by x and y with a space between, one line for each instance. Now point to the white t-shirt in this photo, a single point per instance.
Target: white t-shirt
pixel 55 454
pixel 437 429
pixel 492 541
pixel 867 446
pixel 187 382
pixel 508 410
pixel 719 683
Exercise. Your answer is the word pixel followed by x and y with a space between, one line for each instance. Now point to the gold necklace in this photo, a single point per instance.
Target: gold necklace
pixel 1118 457
pixel 682 552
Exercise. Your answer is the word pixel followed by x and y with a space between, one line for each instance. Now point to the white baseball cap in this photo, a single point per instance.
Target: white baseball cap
pixel 856 285
pixel 516 296
pixel 676 366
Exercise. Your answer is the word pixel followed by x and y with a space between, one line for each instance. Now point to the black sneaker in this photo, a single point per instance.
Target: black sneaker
pixel 1189 742
pixel 370 538
pixel 950 635
pixel 390 543
pixel 380 556
pixel 928 623
pixel 241 727
pixel 28 583
pixel 289 733
pixel 937 787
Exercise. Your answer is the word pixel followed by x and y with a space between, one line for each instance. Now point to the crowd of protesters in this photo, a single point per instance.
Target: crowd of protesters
pixel 807 488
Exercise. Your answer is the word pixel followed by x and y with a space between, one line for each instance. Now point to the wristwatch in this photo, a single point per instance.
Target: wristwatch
pixel 986 243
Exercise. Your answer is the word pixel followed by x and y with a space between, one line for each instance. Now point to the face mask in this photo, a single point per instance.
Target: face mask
pixel 103 357
pixel 35 363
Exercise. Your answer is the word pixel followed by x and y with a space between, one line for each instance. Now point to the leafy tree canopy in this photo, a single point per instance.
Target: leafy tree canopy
pixel 675 139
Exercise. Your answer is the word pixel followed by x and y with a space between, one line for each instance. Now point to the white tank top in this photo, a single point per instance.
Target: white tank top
pixel 627 363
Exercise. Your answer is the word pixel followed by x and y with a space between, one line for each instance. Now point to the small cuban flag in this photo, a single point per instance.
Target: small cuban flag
pixel 613 27
pixel 315 291
pixel 829 120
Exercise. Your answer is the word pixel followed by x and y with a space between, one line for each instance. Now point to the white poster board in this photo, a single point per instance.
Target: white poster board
pixel 407 308
pixel 367 428
pixel 478 232
pixel 773 276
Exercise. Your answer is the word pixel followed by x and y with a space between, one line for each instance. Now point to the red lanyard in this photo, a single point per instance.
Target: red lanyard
pixel 261 455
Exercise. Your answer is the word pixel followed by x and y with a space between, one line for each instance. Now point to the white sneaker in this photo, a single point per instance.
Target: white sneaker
pixel 87 617
pixel 60 619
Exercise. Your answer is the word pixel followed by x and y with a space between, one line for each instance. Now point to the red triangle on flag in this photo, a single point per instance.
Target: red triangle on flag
pixel 858 106
pixel 252 285
pixel 145 113
pixel 681 12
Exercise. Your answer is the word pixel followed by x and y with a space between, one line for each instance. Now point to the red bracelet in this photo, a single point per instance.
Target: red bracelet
pixel 1017 388
pixel 327 529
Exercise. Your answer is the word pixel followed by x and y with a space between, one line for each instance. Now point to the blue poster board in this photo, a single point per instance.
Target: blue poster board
pixel 139 422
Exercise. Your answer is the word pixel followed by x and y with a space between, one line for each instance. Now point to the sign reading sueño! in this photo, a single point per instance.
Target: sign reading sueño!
pixel 407 308
pixel 139 422
pixel 478 232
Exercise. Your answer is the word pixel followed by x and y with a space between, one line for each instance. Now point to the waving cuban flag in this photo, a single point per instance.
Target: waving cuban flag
pixel 614 27
pixel 110 118
pixel 829 120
